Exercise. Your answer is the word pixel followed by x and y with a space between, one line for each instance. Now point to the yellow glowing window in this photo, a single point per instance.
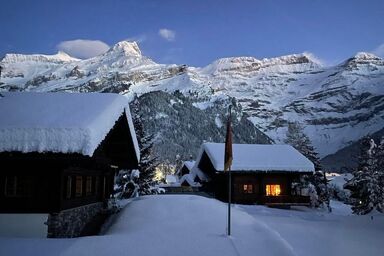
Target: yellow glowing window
pixel 273 190
pixel 248 188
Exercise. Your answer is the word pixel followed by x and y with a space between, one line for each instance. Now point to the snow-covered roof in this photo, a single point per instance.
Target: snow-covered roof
pixel 258 157
pixel 189 164
pixel 190 179
pixel 170 179
pixel 60 122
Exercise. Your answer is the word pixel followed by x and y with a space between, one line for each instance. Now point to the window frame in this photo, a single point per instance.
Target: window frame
pixel 88 186
pixel 247 188
pixel 68 192
pixel 79 186
pixel 21 186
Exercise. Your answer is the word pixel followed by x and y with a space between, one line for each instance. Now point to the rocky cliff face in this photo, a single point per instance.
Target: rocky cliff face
pixel 337 105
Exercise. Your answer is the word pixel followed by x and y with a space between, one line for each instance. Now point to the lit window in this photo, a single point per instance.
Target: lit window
pixel 79 186
pixel 88 187
pixel 248 188
pixel 273 190
pixel 69 187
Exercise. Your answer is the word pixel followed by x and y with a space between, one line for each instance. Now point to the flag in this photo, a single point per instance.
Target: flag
pixel 228 144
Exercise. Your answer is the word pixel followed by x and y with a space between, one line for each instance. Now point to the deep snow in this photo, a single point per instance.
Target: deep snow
pixel 39 126
pixel 194 225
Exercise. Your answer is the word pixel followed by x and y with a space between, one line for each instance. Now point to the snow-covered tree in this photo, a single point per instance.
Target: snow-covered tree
pixel 148 163
pixel 296 137
pixel 126 184
pixel 379 173
pixel 366 185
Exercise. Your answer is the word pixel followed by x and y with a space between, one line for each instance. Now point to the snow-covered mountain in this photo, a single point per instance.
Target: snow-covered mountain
pixel 338 105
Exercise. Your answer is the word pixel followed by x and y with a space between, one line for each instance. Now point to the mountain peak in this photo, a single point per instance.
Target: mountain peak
pixel 365 56
pixel 294 59
pixel 362 58
pixel 127 48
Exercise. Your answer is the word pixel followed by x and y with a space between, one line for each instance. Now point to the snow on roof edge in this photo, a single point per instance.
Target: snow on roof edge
pixel 38 126
pixel 132 131
pixel 302 163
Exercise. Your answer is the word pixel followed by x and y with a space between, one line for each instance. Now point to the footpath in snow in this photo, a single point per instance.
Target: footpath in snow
pixel 194 225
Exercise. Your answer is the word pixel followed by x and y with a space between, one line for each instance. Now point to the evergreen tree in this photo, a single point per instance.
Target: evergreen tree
pixel 148 163
pixel 126 184
pixel 366 184
pixel 379 169
pixel 296 137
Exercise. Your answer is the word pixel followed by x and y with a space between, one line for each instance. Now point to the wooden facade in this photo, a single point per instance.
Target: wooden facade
pixel 253 188
pixel 51 182
pixel 272 188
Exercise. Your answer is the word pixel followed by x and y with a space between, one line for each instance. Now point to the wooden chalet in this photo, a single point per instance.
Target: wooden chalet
pixel 185 168
pixel 59 151
pixel 261 174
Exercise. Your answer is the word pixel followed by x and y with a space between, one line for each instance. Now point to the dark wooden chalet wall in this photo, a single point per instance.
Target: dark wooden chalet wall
pixel 258 180
pixel 43 177
pixel 184 170
pixel 42 182
pixel 118 147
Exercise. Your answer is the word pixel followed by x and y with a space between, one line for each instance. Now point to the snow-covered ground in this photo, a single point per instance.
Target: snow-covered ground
pixel 194 225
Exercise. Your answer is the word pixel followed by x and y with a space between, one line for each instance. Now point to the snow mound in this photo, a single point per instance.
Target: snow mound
pixel 193 225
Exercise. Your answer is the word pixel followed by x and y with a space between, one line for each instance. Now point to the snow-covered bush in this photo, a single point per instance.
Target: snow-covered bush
pixel 126 184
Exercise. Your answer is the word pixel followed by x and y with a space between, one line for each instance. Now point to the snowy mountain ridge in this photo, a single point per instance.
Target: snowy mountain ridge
pixel 337 105
pixel 59 57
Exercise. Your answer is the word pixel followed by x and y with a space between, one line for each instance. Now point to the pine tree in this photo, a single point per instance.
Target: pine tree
pixel 296 137
pixel 379 168
pixel 366 184
pixel 148 163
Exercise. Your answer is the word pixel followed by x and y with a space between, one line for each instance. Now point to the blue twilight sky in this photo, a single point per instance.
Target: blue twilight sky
pixel 195 32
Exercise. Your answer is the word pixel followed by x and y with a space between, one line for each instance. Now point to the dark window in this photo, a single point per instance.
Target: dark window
pixel 18 186
pixel 79 186
pixel 104 187
pixel 247 188
pixel 97 184
pixel 69 187
pixel 88 186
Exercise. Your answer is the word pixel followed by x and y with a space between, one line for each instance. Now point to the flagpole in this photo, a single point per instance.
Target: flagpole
pixel 229 172
pixel 229 201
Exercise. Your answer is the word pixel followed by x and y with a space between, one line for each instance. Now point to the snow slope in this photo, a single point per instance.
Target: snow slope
pixel 192 225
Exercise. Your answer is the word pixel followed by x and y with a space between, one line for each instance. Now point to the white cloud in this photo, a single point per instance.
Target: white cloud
pixel 83 49
pixel 167 34
pixel 315 58
pixel 379 51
